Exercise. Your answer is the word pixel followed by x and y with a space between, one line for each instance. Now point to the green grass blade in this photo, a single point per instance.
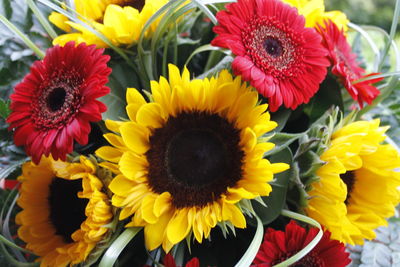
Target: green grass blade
pixel 118 246
pixel 252 250
pixel 23 37
pixel 296 257
pixel 45 23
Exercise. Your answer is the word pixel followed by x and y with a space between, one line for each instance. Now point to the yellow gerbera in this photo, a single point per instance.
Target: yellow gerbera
pixel 314 12
pixel 63 210
pixel 358 186
pixel 121 21
pixel 188 158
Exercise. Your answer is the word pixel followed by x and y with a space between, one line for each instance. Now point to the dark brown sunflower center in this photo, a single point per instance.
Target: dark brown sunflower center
pixel 312 259
pixel 195 157
pixel 273 47
pixel 137 4
pixel 67 210
pixel 56 98
pixel 349 178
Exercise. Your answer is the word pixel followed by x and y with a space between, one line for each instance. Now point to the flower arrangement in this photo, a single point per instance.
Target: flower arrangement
pixel 195 133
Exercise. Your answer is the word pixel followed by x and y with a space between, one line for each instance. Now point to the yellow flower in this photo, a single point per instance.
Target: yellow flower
pixel 63 210
pixel 358 186
pixel 121 21
pixel 186 160
pixel 314 12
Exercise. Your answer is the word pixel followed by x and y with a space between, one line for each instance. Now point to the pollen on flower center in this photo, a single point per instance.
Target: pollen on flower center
pixel 349 178
pixel 195 157
pixel 67 211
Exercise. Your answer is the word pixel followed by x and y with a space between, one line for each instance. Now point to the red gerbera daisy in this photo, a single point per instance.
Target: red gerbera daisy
pixel 274 51
pixel 170 262
pixel 279 246
pixel 345 65
pixel 55 102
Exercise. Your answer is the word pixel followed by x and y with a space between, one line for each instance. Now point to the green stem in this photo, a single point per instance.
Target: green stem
pixel 11 244
pixel 212 60
pixel 23 37
pixel 45 23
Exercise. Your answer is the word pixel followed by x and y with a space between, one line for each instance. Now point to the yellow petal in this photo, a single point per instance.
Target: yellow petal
pixel 135 136
pixel 178 227
pixel 150 115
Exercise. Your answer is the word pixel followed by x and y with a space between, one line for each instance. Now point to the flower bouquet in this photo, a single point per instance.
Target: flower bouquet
pixel 197 133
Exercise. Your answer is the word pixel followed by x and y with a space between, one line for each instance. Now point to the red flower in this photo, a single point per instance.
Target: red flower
pixel 279 246
pixel 55 102
pixel 170 262
pixel 274 51
pixel 345 65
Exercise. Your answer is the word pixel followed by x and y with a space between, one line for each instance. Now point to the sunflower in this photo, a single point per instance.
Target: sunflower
pixel 57 100
pixel 345 65
pixel 314 12
pixel 279 246
pixel 275 52
pixel 358 185
pixel 121 21
pixel 187 159
pixel 63 212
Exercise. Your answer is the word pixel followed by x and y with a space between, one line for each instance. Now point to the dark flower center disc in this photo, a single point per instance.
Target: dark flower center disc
pixel 195 157
pixel 67 211
pixel 137 4
pixel 56 99
pixel 273 46
pixel 349 178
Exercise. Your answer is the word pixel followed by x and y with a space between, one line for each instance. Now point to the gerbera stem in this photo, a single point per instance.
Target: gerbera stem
pixel 24 38
pixel 46 25
pixel 296 257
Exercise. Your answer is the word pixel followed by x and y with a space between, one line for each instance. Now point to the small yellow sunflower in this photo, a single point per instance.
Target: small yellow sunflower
pixel 121 21
pixel 188 158
pixel 63 210
pixel 314 12
pixel 358 186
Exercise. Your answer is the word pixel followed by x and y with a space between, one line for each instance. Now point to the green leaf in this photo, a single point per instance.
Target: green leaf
pixel 276 199
pixel 328 95
pixel 4 108
pixel 282 141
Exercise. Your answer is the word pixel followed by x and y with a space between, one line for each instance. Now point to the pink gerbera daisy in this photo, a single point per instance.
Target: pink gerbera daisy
pixel 279 246
pixel 275 52
pixel 56 101
pixel 345 66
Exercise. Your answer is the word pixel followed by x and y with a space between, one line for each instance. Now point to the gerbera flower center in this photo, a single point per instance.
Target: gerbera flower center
pixel 273 47
pixel 56 98
pixel 67 210
pixel 195 157
pixel 312 259
pixel 349 178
